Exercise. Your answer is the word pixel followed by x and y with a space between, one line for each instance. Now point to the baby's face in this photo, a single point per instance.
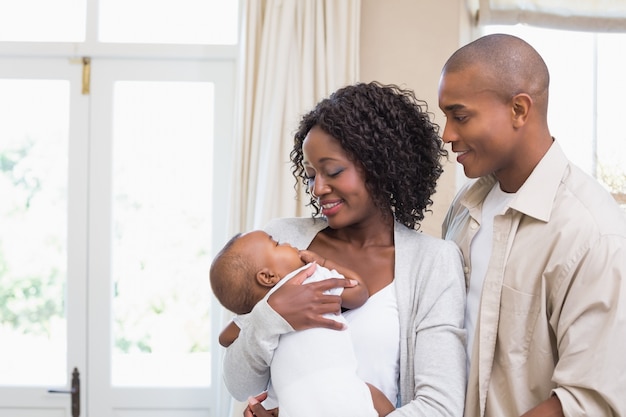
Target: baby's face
pixel 279 257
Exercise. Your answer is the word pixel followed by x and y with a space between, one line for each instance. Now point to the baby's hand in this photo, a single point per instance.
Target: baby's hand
pixel 308 256
pixel 255 409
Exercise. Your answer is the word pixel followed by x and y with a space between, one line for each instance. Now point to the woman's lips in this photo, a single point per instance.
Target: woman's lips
pixel 330 207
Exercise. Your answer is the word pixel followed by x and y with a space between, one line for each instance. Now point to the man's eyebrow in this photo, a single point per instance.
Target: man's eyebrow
pixel 454 107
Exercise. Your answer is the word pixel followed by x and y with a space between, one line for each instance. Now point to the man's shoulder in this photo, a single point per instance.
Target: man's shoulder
pixel 584 200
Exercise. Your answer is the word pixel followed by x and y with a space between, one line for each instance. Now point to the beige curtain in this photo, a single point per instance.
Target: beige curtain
pixel 295 52
pixel 581 15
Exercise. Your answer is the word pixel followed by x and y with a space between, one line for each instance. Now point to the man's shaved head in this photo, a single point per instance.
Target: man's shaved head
pixel 508 66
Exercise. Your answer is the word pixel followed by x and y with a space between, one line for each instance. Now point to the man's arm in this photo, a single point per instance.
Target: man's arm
pixel 548 408
pixel 591 330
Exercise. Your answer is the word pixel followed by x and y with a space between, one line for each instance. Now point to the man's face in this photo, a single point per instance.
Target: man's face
pixel 478 123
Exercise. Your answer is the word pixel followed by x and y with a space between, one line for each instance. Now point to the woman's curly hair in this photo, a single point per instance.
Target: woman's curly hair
pixel 388 132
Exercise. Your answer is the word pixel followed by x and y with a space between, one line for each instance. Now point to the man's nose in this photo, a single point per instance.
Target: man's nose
pixel 449 134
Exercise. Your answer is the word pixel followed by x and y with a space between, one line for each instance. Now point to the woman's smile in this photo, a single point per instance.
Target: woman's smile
pixel 331 207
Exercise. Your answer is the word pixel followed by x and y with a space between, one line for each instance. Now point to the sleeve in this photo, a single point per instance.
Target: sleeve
pixel 591 333
pixel 239 320
pixel 438 346
pixel 247 360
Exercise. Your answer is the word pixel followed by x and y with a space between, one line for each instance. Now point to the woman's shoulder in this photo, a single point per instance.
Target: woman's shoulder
pixel 295 223
pixel 427 261
pixel 416 239
pixel 298 231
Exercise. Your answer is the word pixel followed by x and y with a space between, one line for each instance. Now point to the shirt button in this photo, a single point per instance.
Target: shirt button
pixel 473 225
pixel 466 269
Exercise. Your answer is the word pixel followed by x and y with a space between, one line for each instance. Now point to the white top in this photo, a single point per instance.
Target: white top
pixel 480 253
pixel 314 371
pixel 379 363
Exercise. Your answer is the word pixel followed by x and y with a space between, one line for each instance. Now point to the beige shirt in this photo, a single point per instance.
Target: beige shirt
pixel 552 316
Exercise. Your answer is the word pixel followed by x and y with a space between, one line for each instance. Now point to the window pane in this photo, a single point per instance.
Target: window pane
pixel 570 60
pixel 169 21
pixel 33 219
pixel 611 135
pixel 162 153
pixel 42 20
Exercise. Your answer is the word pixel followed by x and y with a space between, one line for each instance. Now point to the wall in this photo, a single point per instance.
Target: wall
pixel 406 42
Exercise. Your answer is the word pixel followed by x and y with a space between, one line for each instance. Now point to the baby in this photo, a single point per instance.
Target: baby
pixel 313 371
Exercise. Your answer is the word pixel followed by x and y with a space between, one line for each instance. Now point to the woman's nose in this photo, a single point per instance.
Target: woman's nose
pixel 319 188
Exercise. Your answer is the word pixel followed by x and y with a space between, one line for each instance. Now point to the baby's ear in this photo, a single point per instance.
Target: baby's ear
pixel 267 278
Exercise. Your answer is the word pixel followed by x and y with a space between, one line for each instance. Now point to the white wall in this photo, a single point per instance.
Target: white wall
pixel 406 42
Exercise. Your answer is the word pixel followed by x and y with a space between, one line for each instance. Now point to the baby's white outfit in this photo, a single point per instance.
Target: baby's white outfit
pixel 314 372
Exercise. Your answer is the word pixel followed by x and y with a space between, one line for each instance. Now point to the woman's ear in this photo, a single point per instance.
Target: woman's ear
pixel 267 278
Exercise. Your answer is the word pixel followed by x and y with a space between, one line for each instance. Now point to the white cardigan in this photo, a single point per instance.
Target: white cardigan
pixel 430 290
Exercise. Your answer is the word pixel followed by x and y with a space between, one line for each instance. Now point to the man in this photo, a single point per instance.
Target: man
pixel 543 243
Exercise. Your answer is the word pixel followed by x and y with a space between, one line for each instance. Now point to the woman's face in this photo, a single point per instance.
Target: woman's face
pixel 336 182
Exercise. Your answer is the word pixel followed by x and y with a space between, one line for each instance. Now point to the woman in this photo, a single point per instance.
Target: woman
pixel 370 158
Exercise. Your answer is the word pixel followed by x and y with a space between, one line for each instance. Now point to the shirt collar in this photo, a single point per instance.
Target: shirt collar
pixel 536 196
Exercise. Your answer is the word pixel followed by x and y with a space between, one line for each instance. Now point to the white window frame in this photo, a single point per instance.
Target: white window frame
pixel 220 398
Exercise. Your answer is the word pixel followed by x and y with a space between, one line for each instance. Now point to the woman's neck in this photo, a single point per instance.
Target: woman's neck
pixel 375 231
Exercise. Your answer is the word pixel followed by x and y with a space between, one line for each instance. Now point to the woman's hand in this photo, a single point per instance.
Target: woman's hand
pixel 355 294
pixel 304 306
pixel 255 409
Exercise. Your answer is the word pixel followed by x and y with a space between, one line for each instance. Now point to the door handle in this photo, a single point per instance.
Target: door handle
pixel 74 391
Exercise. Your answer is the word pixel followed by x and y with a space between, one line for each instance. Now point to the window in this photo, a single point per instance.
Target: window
pixel 117 121
pixel 586 90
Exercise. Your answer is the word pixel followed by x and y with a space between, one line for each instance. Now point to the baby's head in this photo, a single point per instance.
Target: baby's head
pixel 247 267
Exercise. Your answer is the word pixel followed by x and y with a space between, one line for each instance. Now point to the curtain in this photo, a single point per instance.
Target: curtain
pixel 580 15
pixel 293 54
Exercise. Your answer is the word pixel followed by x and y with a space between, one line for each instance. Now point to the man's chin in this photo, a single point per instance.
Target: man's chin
pixel 469 173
